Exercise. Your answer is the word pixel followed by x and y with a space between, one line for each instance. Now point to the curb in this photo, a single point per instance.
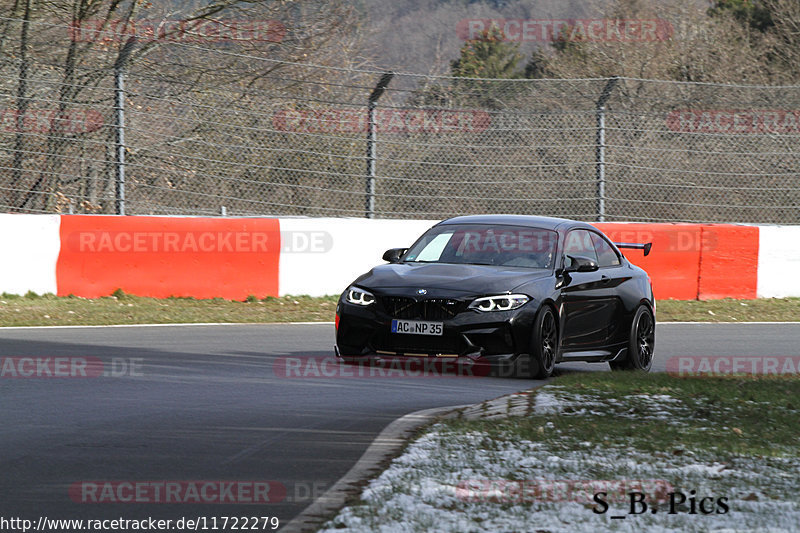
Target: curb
pixel 386 445
pixel 389 442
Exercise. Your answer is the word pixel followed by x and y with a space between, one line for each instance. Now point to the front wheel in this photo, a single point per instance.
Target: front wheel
pixel 544 343
pixel 641 342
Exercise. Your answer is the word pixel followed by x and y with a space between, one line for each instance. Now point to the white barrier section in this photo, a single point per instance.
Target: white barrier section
pixel 30 245
pixel 321 256
pixel 778 261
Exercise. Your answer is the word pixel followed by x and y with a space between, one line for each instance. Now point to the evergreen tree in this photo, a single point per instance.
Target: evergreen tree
pixel 488 56
pixel 750 12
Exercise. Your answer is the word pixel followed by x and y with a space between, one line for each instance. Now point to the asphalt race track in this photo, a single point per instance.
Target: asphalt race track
pixel 213 403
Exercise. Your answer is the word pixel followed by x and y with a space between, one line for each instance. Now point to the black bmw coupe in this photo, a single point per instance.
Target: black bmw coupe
pixel 510 291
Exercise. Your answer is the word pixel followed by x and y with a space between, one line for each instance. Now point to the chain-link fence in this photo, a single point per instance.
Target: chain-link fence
pixel 209 128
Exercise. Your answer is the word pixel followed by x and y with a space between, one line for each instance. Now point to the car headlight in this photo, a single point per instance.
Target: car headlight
pixel 505 302
pixel 359 296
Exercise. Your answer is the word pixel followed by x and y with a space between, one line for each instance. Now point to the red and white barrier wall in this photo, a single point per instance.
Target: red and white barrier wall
pixel 29 245
pixel 91 256
pixel 778 261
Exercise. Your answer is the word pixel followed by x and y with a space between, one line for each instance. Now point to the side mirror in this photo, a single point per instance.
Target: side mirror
pixel 394 255
pixel 581 264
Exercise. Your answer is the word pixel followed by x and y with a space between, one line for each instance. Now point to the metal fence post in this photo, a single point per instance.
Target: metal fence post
pixel 600 152
pixel 372 102
pixel 119 129
pixel 119 124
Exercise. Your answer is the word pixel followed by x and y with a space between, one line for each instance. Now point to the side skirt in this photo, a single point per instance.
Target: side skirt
pixel 594 356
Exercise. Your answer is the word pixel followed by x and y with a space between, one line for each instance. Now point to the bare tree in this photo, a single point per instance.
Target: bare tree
pixel 785 33
pixel 62 53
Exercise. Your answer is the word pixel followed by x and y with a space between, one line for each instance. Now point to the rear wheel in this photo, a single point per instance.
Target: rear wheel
pixel 641 343
pixel 542 358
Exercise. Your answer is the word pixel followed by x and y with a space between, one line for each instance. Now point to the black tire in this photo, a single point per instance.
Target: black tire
pixel 541 361
pixel 641 343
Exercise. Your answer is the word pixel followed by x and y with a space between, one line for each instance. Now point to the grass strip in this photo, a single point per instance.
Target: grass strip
pixel 729 310
pixel 658 413
pixel 120 308
pixel 50 310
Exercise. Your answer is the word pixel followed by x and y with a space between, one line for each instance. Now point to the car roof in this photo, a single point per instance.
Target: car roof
pixel 550 223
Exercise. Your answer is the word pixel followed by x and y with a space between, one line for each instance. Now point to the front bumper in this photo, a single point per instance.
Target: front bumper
pixel 483 337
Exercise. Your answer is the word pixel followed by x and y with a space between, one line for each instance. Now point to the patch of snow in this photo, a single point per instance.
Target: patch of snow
pixel 428 487
pixel 547 404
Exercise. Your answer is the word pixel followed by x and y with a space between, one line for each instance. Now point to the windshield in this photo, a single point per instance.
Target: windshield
pixel 479 244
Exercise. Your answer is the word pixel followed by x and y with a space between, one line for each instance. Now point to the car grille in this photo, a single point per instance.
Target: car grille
pixel 431 309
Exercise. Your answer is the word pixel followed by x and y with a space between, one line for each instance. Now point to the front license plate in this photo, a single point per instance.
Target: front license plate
pixel 416 327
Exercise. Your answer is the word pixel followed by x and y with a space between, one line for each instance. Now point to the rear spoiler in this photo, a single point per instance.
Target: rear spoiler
pixel 646 247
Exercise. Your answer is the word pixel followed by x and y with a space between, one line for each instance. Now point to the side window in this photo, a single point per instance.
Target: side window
pixel 606 256
pixel 579 243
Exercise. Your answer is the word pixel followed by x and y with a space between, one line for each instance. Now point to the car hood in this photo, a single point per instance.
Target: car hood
pixel 455 279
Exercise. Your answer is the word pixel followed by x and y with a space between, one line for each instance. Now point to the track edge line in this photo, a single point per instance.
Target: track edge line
pixel 385 445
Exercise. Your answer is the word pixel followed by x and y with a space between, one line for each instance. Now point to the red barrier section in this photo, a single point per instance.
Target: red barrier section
pixel 673 263
pixel 690 261
pixel 729 266
pixel 161 257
